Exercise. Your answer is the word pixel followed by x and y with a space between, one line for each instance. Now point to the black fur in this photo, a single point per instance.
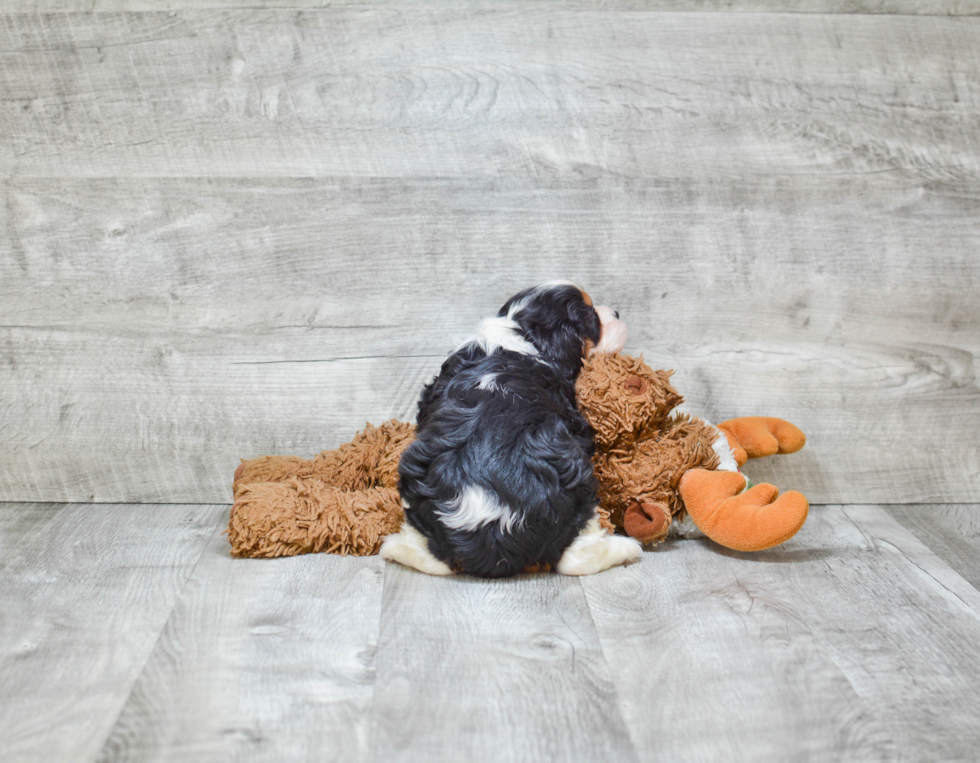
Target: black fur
pixel 524 442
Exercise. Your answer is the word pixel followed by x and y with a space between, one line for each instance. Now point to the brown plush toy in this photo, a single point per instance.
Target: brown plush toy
pixel 344 501
pixel 654 468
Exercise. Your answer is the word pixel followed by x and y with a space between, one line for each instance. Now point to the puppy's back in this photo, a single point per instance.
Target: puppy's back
pixel 500 476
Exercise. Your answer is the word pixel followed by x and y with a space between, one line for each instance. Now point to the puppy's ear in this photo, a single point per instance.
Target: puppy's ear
pixel 572 329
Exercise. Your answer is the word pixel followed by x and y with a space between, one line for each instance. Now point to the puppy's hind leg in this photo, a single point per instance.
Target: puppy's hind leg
pixel 596 549
pixel 411 548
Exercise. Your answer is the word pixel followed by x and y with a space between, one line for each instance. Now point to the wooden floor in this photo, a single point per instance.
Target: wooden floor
pixel 236 227
pixel 131 634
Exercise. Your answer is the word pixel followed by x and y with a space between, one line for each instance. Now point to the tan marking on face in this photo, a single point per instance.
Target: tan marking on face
pixel 586 297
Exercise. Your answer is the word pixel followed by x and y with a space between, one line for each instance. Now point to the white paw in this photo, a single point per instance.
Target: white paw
pixel 594 551
pixel 409 547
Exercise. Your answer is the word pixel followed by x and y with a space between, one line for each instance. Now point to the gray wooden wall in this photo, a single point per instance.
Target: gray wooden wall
pixel 228 231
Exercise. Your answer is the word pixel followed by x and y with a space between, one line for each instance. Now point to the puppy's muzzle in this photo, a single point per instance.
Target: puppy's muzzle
pixel 614 332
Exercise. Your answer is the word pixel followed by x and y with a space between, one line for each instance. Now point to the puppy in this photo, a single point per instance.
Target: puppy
pixel 499 479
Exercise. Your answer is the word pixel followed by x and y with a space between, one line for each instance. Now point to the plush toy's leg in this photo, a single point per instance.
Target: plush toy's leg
pixel 370 460
pixel 752 520
pixel 757 436
pixel 596 549
pixel 269 469
pixel 306 516
pixel 647 522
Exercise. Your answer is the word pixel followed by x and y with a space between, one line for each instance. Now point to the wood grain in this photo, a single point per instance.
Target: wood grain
pixel 492 670
pixel 267 659
pixel 84 592
pixel 951 531
pixel 154 331
pixel 233 227
pixel 178 434
pixel 120 641
pixel 804 258
pixel 923 7
pixel 522 92
pixel 853 641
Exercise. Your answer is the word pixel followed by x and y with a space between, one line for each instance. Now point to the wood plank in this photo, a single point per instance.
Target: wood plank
pixel 154 331
pixel 22 522
pixel 269 659
pixel 512 92
pixel 492 670
pixel 919 7
pixel 178 433
pixel 951 531
pixel 84 593
pixel 329 255
pixel 853 641
pixel 182 432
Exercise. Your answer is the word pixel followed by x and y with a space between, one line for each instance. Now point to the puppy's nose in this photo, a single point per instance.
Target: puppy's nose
pixel 616 313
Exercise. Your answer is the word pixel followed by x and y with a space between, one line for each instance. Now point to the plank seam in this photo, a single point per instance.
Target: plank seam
pixel 609 672
pixel 310 9
pixel 156 641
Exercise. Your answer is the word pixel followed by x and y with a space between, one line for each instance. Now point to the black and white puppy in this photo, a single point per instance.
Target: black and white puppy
pixel 499 478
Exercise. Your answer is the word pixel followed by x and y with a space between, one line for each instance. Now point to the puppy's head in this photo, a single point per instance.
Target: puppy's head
pixel 560 321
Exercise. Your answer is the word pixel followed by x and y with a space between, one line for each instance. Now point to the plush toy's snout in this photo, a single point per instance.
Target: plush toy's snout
pixel 647 522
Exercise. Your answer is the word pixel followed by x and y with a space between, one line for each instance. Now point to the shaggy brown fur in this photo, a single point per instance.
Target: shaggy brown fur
pixel 301 516
pixel 369 460
pixel 344 501
pixel 623 399
pixel 642 449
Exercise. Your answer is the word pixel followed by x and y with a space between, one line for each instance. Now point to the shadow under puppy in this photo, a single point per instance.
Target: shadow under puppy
pixel 499 479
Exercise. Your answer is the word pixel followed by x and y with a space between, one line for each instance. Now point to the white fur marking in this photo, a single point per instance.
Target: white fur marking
pixel 503 333
pixel 537 290
pixel 474 508
pixel 518 306
pixel 614 333
pixel 596 549
pixel 724 451
pixel 555 283
pixel 500 333
pixel 488 382
pixel 409 547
